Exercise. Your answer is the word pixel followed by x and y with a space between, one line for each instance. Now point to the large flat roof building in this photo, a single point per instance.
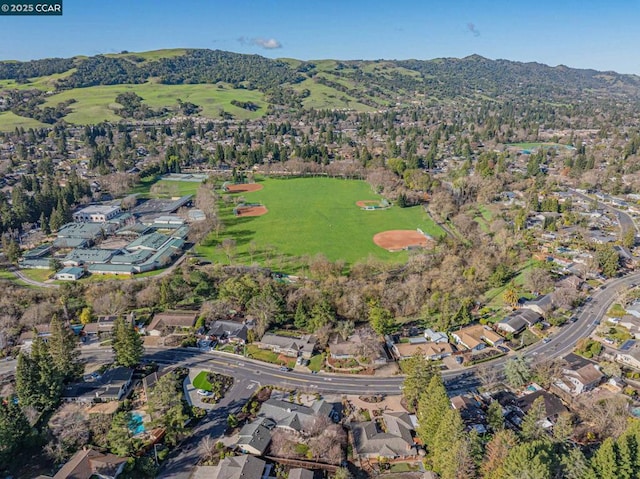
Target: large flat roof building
pixel 96 214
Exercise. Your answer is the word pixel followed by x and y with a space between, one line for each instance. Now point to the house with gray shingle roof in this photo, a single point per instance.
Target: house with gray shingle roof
pixel 255 437
pixel 388 436
pixel 238 467
pixel 295 417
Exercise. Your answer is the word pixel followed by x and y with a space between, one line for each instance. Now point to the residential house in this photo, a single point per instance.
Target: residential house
pixel 113 385
pixel 471 412
pixel 430 350
pixel 578 376
pixel 542 305
pixel 435 336
pixel 69 274
pixel 236 467
pixel 42 330
pixel 389 436
pixel 552 403
pixel 634 309
pixel 474 337
pixel 255 437
pixel 299 473
pixel 363 343
pixel 170 321
pixel 231 331
pixel 629 354
pixel 89 464
pixel 519 320
pixel 295 417
pixel 287 345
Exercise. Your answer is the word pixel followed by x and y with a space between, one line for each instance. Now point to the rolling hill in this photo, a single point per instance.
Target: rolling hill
pixel 232 85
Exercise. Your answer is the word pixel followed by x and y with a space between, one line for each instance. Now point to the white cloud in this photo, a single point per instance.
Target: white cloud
pixel 266 43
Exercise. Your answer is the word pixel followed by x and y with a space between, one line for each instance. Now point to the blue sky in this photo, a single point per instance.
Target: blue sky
pixel 583 34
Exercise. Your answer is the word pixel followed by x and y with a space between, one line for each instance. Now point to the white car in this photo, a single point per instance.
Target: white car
pixel 202 392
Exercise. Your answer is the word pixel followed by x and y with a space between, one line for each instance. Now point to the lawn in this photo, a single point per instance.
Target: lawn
pixel 201 381
pixel 267 356
pixel 97 103
pixel 316 363
pixel 308 216
pixel 493 297
pixel 40 275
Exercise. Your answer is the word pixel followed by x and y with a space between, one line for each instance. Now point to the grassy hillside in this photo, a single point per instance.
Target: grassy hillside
pixel 97 103
pixel 163 76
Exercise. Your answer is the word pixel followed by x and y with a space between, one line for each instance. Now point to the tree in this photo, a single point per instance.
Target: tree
pixel 495 417
pixel 166 407
pixel 628 239
pixel 342 473
pixel 496 453
pixel 120 437
pixel 86 315
pixel 15 431
pixel 11 249
pixel 511 296
pixel 232 421
pixel 604 461
pixel 62 347
pixel 532 423
pixel 529 460
pixel 575 465
pixel 517 372
pixel 538 280
pixel 608 259
pixel 418 373
pixel 301 316
pixel 127 344
pixel 432 406
pixel 563 428
pixel 38 382
pixel 381 319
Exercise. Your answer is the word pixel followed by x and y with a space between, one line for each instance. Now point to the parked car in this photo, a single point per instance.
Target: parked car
pixel 503 349
pixel 202 392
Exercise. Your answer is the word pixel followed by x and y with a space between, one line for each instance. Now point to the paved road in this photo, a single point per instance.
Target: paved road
pixel 258 372
pixel 624 219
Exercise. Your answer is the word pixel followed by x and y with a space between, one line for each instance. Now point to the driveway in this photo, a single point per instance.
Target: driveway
pixel 181 462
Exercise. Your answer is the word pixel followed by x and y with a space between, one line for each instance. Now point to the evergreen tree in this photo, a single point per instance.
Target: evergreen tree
pixel 531 424
pixel 604 461
pixel 418 372
pixel 529 460
pixel 38 382
pixel 127 344
pixel 576 466
pixel 62 347
pixel 15 431
pixel 300 319
pixel 495 417
pixel 432 407
pixel 120 438
pixel 11 249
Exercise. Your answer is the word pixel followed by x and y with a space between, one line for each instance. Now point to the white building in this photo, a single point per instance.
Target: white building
pixel 96 214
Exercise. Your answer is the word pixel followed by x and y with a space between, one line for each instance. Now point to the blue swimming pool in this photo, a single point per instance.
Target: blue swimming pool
pixel 136 425
pixel 635 411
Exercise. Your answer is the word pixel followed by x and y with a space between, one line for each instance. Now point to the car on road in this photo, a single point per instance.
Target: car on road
pixel 573 319
pixel 285 369
pixel 202 392
pixel 546 340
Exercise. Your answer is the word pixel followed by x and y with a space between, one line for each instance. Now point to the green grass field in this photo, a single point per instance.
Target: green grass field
pixel 534 145
pixel 201 382
pixel 9 121
pixel 308 216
